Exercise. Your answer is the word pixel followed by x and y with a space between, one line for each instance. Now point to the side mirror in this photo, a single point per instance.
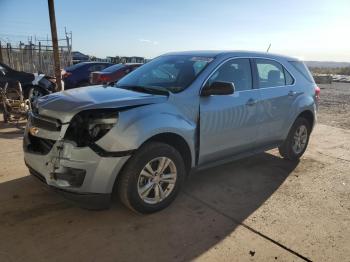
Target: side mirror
pixel 218 88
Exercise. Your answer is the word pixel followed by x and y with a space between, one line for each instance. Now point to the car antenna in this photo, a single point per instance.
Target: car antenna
pixel 268 48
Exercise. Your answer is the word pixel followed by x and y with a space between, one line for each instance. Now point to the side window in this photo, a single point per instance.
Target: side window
pixel 236 71
pixel 288 77
pixel 270 73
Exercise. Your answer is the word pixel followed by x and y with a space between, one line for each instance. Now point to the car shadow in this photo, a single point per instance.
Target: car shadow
pixel 40 225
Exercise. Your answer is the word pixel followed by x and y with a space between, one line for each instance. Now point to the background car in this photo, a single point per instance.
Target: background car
pixel 78 75
pixel 112 73
pixel 33 85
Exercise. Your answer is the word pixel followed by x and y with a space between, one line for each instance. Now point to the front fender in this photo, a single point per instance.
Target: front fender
pixel 137 125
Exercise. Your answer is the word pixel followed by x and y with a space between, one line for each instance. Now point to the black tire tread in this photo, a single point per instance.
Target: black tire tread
pixel 285 149
pixel 124 180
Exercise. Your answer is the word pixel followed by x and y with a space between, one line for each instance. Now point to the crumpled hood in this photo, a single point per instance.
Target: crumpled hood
pixel 64 105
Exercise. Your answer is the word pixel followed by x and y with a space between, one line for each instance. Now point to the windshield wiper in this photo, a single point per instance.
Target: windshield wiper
pixel 146 89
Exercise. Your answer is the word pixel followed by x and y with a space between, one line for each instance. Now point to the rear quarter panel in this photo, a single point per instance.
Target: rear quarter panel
pixel 305 100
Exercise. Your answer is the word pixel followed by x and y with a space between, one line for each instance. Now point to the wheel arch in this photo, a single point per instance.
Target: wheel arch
pixel 308 115
pixel 176 141
pixel 173 139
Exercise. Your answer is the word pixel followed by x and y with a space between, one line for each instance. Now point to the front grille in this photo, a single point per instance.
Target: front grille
pixel 45 122
pixel 40 145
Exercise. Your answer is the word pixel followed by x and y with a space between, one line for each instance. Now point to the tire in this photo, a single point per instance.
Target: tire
pixel 288 150
pixel 131 182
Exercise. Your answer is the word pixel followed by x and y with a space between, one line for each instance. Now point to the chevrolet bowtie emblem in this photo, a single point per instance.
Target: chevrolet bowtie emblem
pixel 33 131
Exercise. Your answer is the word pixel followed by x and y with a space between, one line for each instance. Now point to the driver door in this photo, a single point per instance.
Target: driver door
pixel 228 123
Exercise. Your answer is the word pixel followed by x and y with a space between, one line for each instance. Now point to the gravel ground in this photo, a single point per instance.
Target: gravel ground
pixel 334 107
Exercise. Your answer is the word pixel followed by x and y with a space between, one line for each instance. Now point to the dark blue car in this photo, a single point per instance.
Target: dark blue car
pixel 78 75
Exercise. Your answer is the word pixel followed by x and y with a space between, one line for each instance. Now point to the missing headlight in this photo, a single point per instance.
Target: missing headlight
pixel 89 126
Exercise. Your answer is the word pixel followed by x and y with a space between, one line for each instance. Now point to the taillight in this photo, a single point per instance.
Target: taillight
pixel 317 92
pixel 66 74
pixel 104 78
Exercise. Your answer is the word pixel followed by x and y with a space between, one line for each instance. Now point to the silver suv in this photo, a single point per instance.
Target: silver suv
pixel 179 112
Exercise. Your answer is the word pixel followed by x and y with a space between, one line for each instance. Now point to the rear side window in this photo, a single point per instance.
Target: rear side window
pixel 289 79
pixel 270 73
pixel 236 71
pixel 302 69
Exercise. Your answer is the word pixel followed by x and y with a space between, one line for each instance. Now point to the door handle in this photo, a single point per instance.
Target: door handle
pixel 292 93
pixel 251 102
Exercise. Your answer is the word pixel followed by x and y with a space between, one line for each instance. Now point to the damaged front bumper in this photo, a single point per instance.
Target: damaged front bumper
pixel 79 173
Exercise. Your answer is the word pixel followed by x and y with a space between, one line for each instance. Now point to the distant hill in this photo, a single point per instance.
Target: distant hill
pixel 327 64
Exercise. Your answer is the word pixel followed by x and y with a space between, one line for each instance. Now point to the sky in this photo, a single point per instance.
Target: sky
pixel 307 29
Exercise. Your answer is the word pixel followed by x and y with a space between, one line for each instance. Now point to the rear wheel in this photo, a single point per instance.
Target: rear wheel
pixel 297 140
pixel 152 178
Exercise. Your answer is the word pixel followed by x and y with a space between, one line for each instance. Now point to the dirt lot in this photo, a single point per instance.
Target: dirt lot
pixel 335 105
pixel 258 209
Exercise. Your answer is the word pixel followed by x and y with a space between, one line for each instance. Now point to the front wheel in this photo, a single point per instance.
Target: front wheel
pixel 152 178
pixel 297 140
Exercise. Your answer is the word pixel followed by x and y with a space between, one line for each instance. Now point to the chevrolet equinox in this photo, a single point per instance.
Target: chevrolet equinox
pixel 179 112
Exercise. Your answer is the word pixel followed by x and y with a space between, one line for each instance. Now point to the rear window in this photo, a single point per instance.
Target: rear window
pixel 302 69
pixel 113 68
pixel 73 67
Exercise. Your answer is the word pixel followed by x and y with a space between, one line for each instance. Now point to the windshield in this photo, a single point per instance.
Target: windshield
pixel 173 73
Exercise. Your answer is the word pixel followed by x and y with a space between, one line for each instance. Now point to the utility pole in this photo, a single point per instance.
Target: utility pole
pixel 56 55
pixel 0 53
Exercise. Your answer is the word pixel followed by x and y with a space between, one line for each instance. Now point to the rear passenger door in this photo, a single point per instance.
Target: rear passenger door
pixel 277 94
pixel 228 123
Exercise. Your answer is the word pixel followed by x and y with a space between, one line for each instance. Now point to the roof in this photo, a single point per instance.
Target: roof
pixel 215 53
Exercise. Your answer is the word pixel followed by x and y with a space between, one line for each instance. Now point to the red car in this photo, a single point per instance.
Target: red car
pixel 113 73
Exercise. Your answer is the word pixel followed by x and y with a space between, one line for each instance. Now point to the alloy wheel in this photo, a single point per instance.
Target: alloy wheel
pixel 299 139
pixel 157 180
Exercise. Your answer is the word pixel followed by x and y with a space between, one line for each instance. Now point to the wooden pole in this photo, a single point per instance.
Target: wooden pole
pixel 56 55
pixel 8 49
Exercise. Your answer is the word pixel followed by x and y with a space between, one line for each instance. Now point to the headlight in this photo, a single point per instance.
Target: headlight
pixel 99 127
pixel 89 126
